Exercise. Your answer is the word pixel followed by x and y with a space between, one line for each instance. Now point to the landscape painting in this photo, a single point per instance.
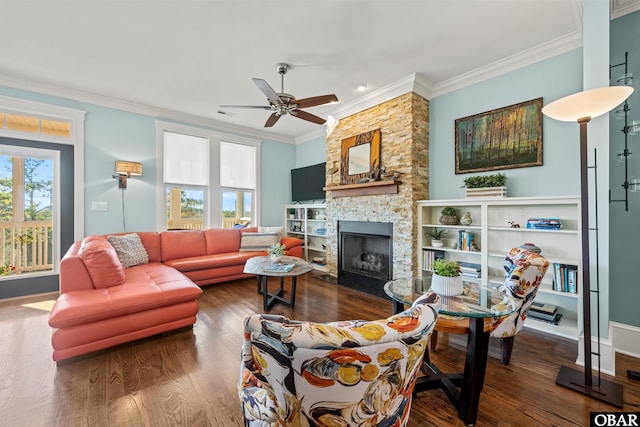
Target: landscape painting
pixel 505 138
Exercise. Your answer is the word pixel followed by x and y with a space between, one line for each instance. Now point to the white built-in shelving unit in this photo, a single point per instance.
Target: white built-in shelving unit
pixel 494 237
pixel 309 223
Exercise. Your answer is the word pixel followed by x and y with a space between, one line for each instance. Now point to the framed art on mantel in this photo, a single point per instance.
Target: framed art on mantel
pixel 504 138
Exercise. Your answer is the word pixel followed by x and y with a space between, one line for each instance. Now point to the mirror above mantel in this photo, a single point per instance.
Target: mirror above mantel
pixel 360 157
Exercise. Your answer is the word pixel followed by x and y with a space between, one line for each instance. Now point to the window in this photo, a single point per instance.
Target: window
pixel 238 184
pixel 210 179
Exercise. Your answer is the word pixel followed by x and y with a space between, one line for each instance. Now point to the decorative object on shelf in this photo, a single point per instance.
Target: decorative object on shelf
pixel 437 235
pixel 530 247
pixel 449 216
pixel 514 224
pixel 360 156
pixel 466 219
pixel 332 171
pixel 582 107
pixel 391 175
pixel 446 278
pixel 634 129
pixel 276 251
pixel 486 185
pixel 477 136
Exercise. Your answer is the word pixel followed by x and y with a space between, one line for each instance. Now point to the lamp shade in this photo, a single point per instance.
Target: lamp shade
pixel 588 104
pixel 124 167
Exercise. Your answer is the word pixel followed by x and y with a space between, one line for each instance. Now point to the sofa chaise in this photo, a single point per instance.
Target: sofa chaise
pixel 120 288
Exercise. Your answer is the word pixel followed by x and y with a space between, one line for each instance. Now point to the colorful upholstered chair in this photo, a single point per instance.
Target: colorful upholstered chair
pixel 523 273
pixel 356 373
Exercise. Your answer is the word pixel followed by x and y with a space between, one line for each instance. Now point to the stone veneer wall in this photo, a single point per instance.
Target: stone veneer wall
pixel 404 128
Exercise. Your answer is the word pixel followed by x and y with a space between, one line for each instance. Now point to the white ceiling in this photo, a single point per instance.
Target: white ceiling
pixel 184 58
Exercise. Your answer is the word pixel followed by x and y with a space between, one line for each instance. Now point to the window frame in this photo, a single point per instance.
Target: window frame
pixel 213 198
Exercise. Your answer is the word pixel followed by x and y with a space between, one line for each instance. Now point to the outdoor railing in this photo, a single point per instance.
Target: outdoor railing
pixel 26 245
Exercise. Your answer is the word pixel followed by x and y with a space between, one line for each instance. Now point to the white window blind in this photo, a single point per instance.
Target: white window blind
pixel 237 165
pixel 186 159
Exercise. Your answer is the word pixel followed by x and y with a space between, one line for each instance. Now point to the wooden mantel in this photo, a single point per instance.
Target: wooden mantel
pixel 365 189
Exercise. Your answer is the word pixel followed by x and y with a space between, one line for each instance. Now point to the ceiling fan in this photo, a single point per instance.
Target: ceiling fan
pixel 283 103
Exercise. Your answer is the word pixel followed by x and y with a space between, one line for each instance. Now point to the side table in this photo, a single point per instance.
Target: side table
pixel 256 265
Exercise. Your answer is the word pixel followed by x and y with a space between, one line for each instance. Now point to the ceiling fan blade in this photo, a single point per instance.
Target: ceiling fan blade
pixel 272 120
pixel 315 100
pixel 307 116
pixel 268 91
pixel 262 107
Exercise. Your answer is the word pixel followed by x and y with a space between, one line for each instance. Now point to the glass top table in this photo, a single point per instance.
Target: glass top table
pixel 475 301
pixel 477 304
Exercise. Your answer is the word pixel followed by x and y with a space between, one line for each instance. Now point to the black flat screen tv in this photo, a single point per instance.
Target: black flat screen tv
pixel 307 183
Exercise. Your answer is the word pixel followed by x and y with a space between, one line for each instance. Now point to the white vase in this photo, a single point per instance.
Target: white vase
pixel 437 243
pixel 447 286
pixel 275 258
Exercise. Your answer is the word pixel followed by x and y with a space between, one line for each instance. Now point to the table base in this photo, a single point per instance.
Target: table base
pixel 463 389
pixel 269 300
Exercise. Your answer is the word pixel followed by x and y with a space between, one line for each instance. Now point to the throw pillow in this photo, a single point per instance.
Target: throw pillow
pixel 277 230
pixel 129 249
pixel 101 262
pixel 258 242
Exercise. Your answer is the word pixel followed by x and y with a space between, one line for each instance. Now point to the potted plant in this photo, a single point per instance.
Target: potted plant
pixel 486 185
pixel 446 278
pixel 449 216
pixel 437 234
pixel 276 251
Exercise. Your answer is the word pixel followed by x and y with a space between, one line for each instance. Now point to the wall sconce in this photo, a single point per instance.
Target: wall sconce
pixel 125 169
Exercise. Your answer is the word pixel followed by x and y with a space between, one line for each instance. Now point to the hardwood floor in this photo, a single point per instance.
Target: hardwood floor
pixel 189 378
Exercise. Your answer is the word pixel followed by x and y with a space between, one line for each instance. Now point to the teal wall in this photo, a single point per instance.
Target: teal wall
pixel 311 152
pixel 112 134
pixel 624 227
pixel 550 79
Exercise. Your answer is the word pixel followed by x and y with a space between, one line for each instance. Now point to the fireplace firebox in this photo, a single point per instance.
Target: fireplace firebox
pixel 365 255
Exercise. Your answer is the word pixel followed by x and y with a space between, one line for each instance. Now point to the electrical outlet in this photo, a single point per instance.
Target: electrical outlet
pixel 99 206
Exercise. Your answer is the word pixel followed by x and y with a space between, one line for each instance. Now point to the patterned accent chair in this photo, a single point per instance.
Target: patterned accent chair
pixel 356 373
pixel 524 271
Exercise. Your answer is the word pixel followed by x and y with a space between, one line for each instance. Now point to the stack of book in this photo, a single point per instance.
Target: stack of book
pixel 544 223
pixel 469 269
pixel 429 257
pixel 465 241
pixel 565 278
pixel 279 267
pixel 544 312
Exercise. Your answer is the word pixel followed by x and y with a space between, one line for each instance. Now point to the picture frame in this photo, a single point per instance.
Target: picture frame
pixel 504 138
pixel 360 156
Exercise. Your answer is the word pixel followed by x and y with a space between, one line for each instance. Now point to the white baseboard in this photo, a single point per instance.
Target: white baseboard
pixel 626 338
pixel 623 339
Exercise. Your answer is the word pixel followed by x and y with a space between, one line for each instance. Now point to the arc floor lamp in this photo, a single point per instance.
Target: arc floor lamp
pixel 582 107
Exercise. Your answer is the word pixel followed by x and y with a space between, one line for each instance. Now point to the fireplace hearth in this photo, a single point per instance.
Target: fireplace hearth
pixel 365 255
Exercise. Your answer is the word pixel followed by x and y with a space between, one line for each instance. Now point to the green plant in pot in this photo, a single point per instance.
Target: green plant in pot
pixel 446 278
pixel 449 216
pixel 486 181
pixel 276 251
pixel 437 236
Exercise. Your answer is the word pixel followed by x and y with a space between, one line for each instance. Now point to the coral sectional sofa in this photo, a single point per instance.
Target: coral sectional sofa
pixel 116 289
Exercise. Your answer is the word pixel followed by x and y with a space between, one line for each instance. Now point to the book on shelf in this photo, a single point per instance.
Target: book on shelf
pixel 544 312
pixel 565 278
pixel 279 267
pixel 430 256
pixel 554 321
pixel 544 223
pixel 543 307
pixel 470 267
pixel 465 241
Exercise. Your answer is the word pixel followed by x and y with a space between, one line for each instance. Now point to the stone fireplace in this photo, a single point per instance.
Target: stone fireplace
pixel 404 126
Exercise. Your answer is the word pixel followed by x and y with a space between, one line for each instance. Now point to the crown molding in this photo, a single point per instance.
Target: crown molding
pixel 525 58
pixel 623 7
pixel 22 83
